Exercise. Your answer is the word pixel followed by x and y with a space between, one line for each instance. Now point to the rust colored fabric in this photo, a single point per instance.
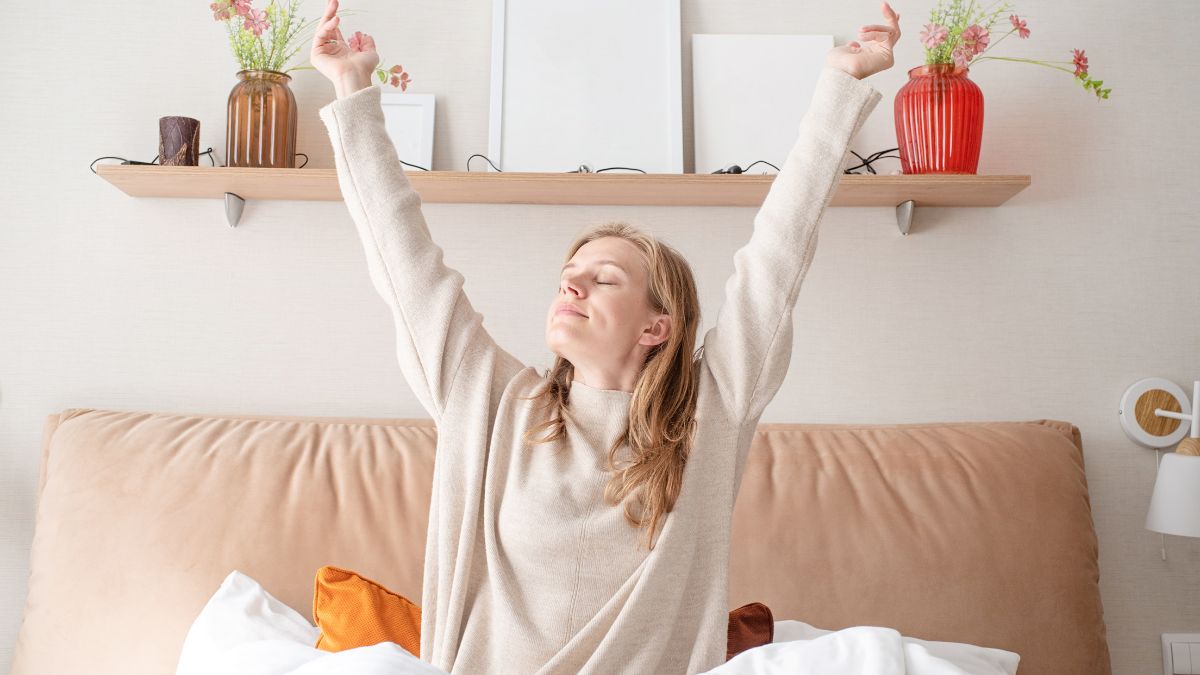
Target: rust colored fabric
pixel 750 625
pixel 354 611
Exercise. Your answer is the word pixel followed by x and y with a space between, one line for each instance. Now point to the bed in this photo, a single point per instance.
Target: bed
pixel 973 532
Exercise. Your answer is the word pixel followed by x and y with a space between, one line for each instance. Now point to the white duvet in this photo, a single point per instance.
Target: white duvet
pixel 244 630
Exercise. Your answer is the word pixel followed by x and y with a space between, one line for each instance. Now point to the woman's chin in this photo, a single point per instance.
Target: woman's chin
pixel 561 343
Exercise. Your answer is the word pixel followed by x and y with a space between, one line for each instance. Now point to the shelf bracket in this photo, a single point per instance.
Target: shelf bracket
pixel 904 214
pixel 233 208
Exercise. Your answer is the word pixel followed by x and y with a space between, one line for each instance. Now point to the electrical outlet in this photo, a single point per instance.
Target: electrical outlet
pixel 1181 653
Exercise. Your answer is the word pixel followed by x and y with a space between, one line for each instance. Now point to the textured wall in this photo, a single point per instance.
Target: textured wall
pixel 1046 307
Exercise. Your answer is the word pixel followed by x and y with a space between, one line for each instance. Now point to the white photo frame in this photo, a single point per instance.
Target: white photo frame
pixel 769 79
pixel 409 121
pixel 586 82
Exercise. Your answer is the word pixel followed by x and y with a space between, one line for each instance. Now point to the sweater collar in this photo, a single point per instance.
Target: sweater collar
pixel 603 407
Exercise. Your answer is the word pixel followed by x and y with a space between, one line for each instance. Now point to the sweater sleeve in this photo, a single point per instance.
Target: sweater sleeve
pixel 749 348
pixel 441 343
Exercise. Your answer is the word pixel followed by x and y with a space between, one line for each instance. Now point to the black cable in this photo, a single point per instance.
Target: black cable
pixel 871 158
pixel 484 159
pixel 734 168
pixel 150 163
pixel 583 168
pixel 154 162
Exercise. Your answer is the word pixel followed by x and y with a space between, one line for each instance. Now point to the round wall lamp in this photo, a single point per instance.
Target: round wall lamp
pixel 1152 414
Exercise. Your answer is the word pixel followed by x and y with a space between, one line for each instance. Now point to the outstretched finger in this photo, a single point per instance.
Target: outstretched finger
pixel 319 34
pixel 325 33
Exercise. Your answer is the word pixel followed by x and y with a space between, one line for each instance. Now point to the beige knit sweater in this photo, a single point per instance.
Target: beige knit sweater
pixel 527 569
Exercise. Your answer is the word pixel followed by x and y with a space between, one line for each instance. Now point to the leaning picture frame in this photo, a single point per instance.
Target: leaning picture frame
pixel 409 122
pixel 773 75
pixel 595 84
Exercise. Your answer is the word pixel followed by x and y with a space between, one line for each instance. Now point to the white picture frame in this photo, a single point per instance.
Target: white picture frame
pixel 586 82
pixel 769 79
pixel 409 121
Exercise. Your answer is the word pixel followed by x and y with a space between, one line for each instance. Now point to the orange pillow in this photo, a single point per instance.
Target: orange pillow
pixel 354 611
pixel 750 625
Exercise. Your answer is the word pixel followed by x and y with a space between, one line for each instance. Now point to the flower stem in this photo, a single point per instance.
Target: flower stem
pixel 1040 63
pixel 997 41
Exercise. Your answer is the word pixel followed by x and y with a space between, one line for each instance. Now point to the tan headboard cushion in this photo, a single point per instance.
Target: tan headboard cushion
pixel 966 532
pixel 963 532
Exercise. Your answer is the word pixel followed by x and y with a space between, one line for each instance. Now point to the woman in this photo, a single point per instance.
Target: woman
pixel 580 518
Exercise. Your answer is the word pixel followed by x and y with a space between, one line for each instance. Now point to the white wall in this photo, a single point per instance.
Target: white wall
pixel 1046 307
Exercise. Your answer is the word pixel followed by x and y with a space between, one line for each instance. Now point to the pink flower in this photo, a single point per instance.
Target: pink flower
pixel 962 55
pixel 1081 64
pixel 395 81
pixel 933 35
pixel 397 68
pixel 220 10
pixel 241 7
pixel 975 37
pixel 255 20
pixel 1019 25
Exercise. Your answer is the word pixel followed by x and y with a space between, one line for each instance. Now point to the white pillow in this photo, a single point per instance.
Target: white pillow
pixel 923 656
pixel 244 630
pixel 242 611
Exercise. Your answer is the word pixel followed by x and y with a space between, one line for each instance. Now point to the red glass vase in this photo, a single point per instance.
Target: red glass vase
pixel 939 120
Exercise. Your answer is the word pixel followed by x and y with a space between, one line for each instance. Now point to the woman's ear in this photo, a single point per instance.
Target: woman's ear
pixel 658 332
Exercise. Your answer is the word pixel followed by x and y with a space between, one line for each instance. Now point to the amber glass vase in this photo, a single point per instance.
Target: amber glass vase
pixel 260 124
pixel 939 120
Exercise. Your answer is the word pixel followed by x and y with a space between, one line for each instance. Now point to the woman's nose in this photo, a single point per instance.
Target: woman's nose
pixel 570 287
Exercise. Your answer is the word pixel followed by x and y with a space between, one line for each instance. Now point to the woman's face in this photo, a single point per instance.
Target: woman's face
pixel 607 343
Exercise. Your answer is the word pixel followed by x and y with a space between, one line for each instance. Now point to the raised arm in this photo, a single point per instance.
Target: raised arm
pixel 441 344
pixel 750 347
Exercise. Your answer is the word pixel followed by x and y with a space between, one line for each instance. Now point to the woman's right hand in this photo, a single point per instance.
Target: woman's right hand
pixel 348 68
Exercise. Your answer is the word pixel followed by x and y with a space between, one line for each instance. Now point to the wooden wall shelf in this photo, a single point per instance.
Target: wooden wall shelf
pixel 237 184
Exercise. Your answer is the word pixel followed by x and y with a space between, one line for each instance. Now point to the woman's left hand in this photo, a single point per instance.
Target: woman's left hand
pixel 874 52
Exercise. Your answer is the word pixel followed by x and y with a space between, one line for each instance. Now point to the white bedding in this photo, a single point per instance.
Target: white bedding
pixel 801 649
pixel 244 630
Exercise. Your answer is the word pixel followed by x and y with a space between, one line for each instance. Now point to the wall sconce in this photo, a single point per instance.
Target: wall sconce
pixel 1151 414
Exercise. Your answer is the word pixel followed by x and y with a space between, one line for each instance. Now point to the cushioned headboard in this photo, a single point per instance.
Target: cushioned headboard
pixel 965 532
pixel 971 532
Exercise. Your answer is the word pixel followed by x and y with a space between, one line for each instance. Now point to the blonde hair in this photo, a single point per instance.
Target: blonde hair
pixel 662 412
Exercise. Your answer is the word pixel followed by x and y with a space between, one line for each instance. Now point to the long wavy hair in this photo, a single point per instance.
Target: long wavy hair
pixel 662 412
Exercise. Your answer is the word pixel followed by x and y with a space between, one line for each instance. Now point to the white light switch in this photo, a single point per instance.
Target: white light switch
pixel 1181 659
pixel 1181 653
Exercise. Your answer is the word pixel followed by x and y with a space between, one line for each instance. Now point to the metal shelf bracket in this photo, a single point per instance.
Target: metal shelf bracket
pixel 904 214
pixel 233 208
